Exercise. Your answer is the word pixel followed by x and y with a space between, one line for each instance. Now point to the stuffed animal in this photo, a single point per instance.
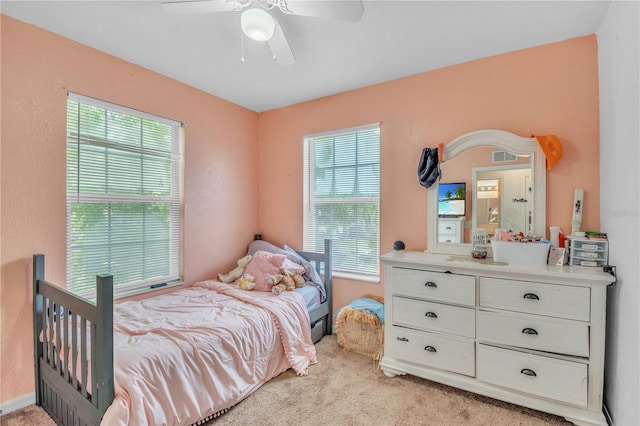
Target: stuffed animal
pixel 282 282
pixel 246 282
pixel 299 280
pixel 236 272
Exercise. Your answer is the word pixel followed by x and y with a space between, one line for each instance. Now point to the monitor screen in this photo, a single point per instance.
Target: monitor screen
pixel 452 199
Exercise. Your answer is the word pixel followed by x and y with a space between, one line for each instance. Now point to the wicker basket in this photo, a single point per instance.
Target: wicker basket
pixel 360 331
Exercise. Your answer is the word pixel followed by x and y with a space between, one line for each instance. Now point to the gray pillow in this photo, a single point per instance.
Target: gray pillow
pixel 313 277
pixel 265 246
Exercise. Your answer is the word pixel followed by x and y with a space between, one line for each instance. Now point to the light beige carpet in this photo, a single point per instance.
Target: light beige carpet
pixel 345 389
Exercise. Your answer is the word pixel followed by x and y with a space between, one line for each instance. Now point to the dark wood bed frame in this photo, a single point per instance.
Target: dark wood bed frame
pixel 65 388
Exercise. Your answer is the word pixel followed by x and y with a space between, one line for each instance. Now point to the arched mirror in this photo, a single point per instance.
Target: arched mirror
pixel 491 179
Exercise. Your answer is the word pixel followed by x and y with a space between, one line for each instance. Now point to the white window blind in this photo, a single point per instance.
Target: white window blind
pixel 123 197
pixel 342 197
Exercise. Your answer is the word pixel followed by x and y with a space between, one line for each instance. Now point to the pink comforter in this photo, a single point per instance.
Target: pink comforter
pixel 184 356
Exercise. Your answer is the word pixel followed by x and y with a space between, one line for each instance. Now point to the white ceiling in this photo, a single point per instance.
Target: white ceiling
pixel 393 39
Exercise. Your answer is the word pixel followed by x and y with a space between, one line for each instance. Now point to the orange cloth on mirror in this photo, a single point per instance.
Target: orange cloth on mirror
pixel 551 147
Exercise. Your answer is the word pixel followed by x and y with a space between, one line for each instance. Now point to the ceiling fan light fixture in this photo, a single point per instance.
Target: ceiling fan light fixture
pixel 257 24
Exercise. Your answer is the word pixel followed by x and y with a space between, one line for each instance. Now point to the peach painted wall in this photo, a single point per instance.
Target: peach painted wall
pixel 220 196
pixel 551 89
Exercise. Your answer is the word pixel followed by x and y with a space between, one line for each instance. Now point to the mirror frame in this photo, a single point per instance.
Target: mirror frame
pixel 508 142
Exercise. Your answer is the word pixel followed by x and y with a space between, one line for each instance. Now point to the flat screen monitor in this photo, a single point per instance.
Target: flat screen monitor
pixel 452 198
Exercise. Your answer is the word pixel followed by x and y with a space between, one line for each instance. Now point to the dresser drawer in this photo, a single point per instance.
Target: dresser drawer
pixel 537 298
pixel 447 226
pixel 550 378
pixel 433 350
pixel 437 286
pixel 434 316
pixel 448 238
pixel 534 332
pixel 450 230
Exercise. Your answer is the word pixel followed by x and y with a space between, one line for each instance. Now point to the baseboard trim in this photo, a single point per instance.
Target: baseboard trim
pixel 607 415
pixel 16 404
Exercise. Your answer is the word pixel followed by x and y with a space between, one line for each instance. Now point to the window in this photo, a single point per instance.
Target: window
pixel 123 197
pixel 342 198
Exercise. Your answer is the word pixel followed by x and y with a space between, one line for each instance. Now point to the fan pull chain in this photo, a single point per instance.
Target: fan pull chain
pixel 241 46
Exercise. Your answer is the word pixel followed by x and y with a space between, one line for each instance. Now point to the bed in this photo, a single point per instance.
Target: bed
pixel 179 358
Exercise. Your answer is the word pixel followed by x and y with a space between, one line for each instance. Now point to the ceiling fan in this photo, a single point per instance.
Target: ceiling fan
pixel 259 24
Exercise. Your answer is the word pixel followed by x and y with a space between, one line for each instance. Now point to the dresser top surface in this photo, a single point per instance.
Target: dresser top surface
pixel 468 264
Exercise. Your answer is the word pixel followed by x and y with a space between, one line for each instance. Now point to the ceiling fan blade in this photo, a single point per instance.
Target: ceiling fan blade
pixel 280 48
pixel 198 6
pixel 346 10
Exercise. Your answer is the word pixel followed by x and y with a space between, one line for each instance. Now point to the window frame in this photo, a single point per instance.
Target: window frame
pixel 173 200
pixel 309 240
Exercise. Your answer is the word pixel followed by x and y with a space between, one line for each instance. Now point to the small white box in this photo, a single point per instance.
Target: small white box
pixel 588 252
pixel 520 253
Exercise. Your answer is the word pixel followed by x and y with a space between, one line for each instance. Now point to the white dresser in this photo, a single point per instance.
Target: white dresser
pixel 532 336
pixel 450 229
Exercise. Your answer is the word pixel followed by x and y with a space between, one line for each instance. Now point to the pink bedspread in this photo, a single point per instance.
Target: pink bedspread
pixel 184 356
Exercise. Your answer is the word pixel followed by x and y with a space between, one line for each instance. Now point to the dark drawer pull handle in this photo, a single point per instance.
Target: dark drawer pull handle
pixel 431 315
pixel 402 339
pixel 528 372
pixel 430 349
pixel 531 296
pixel 431 284
pixel 448 227
pixel 529 331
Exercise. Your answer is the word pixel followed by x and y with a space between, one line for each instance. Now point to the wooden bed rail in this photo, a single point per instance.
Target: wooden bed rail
pixel 322 264
pixel 73 355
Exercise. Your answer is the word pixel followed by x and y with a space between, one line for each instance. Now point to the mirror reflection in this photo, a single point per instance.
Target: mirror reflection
pixel 487 214
pixel 477 190
pixel 503 199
